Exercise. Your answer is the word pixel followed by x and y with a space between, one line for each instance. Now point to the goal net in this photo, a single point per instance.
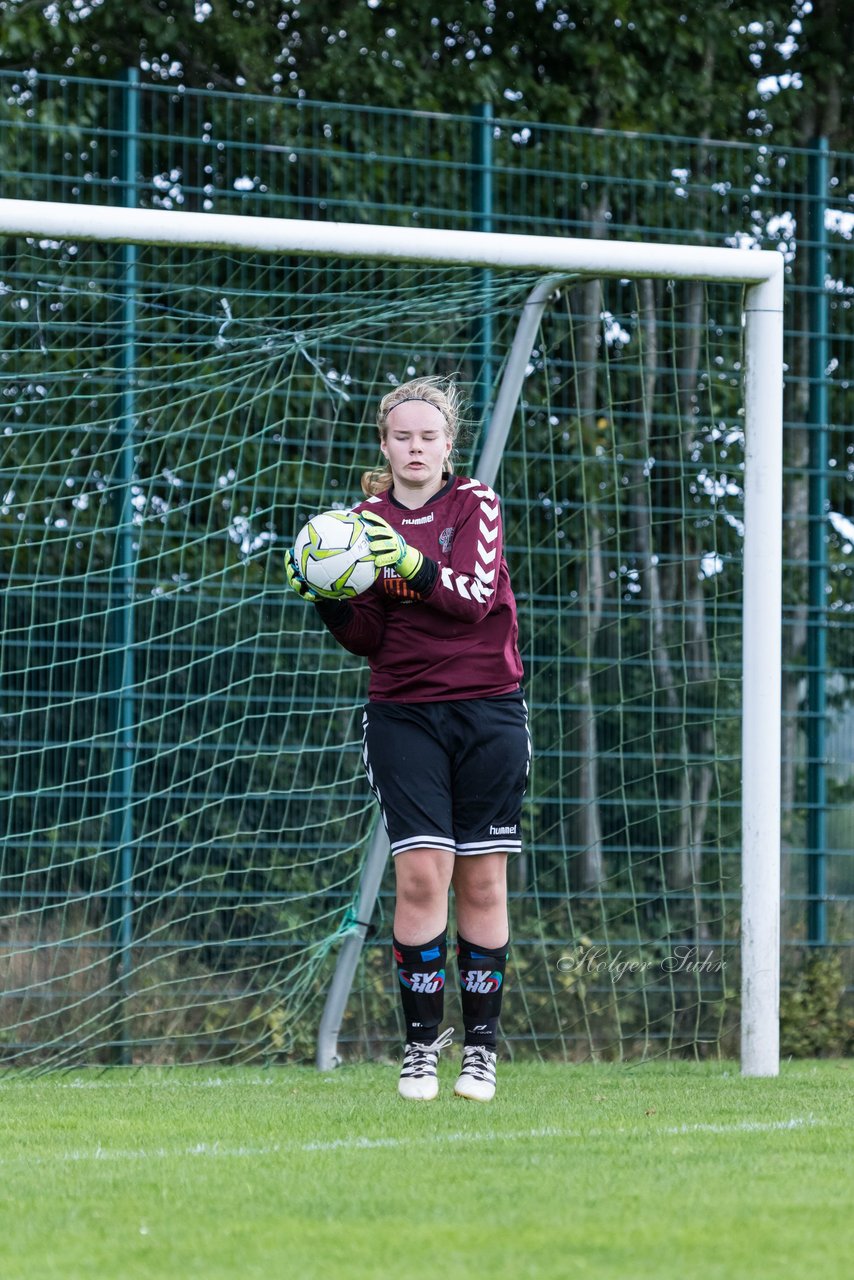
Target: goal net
pixel 185 822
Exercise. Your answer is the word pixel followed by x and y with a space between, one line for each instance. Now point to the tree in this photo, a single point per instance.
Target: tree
pixel 667 67
pixel 720 70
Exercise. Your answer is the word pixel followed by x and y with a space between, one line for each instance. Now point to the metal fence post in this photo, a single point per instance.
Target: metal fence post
pixel 817 417
pixel 482 221
pixel 122 593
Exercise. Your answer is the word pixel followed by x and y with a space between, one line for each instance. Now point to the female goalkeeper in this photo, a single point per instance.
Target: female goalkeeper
pixel 445 731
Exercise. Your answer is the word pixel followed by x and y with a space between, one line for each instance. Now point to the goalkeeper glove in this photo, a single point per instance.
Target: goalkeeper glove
pixel 388 548
pixel 296 581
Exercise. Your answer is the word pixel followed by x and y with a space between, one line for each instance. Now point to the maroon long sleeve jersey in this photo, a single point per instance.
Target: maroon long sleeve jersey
pixel 452 632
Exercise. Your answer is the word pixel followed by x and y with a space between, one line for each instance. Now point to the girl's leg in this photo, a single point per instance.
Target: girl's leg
pixel 408 767
pixel 480 888
pixel 420 938
pixel 423 877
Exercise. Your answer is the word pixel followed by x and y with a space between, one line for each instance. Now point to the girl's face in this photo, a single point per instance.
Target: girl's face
pixel 416 446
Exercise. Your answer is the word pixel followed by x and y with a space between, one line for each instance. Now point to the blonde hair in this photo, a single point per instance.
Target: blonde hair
pixel 442 394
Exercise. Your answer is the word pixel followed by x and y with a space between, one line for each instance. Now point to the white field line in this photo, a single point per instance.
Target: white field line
pixel 743 1126
pixel 211 1082
pixel 219 1150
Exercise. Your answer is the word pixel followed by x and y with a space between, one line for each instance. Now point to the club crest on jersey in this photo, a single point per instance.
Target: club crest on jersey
pixel 446 537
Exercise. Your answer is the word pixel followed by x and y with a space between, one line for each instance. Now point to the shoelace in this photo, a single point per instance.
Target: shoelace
pixel 419 1058
pixel 479 1063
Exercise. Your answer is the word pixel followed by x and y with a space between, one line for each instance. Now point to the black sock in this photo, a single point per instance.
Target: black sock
pixel 481 988
pixel 421 972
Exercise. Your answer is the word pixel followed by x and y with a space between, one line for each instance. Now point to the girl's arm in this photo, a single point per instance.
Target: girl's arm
pixel 358 625
pixel 465 587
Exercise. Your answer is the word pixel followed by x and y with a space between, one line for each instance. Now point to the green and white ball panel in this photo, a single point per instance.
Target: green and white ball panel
pixel 334 556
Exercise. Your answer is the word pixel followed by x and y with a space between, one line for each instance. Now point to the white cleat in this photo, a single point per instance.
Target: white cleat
pixel 477 1076
pixel 419 1079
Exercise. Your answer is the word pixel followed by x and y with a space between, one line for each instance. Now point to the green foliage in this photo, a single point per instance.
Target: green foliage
pixel 659 67
pixel 815 1017
pixel 220 457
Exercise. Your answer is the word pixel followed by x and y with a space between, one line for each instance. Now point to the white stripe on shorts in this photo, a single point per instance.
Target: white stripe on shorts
pixel 423 842
pixel 490 846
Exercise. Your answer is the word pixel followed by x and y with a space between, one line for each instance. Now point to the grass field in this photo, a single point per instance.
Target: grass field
pixel 672 1170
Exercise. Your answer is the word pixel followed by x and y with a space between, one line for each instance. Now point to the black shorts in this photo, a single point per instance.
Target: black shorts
pixel 449 775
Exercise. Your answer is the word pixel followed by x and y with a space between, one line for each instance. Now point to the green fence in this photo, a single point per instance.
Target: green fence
pixel 100 142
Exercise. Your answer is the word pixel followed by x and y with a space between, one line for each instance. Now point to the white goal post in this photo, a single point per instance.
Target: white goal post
pixel 761 274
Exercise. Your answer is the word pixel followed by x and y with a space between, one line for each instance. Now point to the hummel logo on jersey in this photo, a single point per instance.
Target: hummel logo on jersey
pixel 481 981
pixel 420 520
pixel 423 983
pixel 502 831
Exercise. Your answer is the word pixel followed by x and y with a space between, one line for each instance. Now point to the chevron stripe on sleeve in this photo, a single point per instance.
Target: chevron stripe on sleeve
pixel 466 586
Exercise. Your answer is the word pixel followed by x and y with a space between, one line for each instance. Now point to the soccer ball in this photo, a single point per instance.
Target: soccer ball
pixel 334 556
